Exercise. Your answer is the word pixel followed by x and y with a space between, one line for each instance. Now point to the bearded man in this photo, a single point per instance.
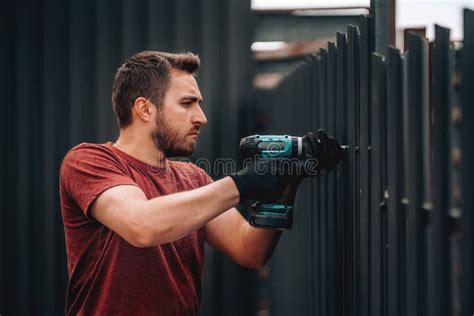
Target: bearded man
pixel 135 221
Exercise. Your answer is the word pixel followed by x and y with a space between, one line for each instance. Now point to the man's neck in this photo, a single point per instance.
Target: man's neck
pixel 141 148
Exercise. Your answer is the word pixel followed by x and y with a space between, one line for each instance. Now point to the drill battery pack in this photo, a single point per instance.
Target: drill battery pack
pixel 272 216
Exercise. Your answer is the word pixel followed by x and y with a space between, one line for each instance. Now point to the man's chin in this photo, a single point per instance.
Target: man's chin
pixel 189 152
pixel 182 152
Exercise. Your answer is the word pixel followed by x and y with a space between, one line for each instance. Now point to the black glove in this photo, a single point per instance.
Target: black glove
pixel 260 180
pixel 324 152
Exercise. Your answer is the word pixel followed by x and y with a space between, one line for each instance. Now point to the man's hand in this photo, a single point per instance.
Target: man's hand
pixel 326 150
pixel 259 180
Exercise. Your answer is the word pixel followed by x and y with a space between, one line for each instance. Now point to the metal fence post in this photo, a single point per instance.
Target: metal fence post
pixel 467 129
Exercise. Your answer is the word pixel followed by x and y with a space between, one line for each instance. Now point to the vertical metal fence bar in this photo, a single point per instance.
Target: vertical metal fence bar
pixel 455 199
pixel 416 285
pixel 82 61
pixel 187 17
pixel 383 188
pixel 341 178
pixel 352 164
pixel 467 97
pixel 333 267
pixel 323 192
pixel 315 205
pixel 28 68
pixel 55 73
pixel 308 216
pixel 240 78
pixel 7 182
pixel 439 263
pixel 111 50
pixel 134 30
pixel 158 38
pixel 376 188
pixel 365 50
pixel 299 222
pixel 396 231
pixel 380 10
pixel 426 206
pixel 210 73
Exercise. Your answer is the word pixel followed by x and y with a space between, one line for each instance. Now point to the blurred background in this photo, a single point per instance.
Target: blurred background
pixel 57 63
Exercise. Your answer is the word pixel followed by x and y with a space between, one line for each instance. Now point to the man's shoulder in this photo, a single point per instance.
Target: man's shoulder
pixel 88 152
pixel 87 149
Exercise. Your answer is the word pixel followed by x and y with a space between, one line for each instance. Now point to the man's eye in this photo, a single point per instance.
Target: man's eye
pixel 186 103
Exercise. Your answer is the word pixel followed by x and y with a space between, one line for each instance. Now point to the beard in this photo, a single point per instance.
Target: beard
pixel 169 141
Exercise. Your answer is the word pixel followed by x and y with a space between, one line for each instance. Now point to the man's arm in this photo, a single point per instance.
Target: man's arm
pixel 145 223
pixel 246 245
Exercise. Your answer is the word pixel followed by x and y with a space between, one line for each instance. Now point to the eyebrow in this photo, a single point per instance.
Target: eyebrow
pixel 191 98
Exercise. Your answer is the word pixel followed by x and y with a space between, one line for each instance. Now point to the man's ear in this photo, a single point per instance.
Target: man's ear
pixel 143 109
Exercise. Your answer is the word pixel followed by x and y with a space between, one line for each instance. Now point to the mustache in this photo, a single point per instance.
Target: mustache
pixel 195 131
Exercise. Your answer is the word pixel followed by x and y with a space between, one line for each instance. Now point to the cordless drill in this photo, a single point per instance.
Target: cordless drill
pixel 271 215
pixel 275 215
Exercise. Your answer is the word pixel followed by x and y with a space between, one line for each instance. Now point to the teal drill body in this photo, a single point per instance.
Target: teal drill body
pixel 271 215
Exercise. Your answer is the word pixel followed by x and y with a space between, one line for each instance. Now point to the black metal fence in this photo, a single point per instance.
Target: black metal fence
pixel 57 62
pixel 390 232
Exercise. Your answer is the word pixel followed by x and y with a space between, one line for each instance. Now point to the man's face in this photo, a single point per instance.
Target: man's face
pixel 180 118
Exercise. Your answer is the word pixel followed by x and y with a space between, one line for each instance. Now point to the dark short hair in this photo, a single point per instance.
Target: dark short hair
pixel 146 74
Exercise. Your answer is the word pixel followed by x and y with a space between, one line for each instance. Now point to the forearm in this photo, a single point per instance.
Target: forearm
pixel 171 217
pixel 258 245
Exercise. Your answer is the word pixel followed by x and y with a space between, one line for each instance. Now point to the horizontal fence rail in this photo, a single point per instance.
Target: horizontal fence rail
pixel 390 231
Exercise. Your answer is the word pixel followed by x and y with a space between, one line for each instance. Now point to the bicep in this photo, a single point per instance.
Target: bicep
pixel 117 209
pixel 224 232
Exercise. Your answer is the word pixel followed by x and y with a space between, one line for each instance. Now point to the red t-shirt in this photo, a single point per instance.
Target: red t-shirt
pixel 107 275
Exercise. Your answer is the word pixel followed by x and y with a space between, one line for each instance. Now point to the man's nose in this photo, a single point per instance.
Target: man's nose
pixel 199 118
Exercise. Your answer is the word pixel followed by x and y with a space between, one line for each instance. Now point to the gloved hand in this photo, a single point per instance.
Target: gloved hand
pixel 260 180
pixel 324 151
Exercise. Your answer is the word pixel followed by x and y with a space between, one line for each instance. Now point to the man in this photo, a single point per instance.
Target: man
pixel 135 221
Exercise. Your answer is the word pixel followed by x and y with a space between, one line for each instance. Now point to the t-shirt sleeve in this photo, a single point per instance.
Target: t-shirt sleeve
pixel 89 171
pixel 204 177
